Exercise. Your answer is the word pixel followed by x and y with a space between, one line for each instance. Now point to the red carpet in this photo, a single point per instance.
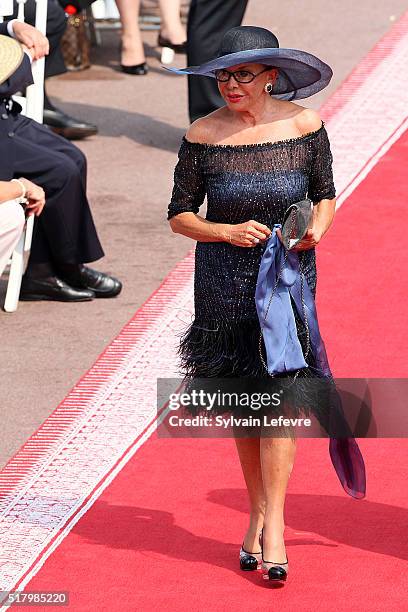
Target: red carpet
pixel 363 280
pixel 166 532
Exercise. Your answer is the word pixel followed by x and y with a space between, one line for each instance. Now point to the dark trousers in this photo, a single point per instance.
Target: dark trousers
pixel 56 24
pixel 208 20
pixel 65 231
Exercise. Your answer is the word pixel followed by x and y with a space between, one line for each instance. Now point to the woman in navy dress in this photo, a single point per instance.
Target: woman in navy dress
pixel 252 159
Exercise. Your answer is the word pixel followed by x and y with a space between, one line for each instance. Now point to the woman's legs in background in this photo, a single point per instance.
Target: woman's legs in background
pixel 249 456
pixel 132 44
pixel 277 456
pixel 171 26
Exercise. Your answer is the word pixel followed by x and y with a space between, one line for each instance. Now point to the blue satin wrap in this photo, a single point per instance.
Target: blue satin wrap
pixel 284 352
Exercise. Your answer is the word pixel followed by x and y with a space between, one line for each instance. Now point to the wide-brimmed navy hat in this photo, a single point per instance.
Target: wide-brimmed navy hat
pixel 301 74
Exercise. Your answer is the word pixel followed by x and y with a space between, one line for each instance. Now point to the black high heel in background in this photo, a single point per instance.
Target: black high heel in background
pixel 136 69
pixel 165 42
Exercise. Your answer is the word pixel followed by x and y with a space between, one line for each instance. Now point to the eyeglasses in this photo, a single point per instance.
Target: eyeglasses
pixel 241 76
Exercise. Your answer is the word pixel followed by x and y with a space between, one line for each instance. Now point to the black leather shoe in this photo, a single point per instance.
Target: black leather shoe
pixel 137 69
pixel 101 284
pixel 69 127
pixel 52 288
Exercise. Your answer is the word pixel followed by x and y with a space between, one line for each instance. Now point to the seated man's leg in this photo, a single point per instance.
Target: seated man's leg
pixel 64 236
pixel 50 140
pixel 11 226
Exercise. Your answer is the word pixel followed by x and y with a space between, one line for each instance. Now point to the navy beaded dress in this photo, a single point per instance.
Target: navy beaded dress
pixel 244 182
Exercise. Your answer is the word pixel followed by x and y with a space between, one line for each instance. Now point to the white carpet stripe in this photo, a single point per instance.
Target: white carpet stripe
pixel 364 125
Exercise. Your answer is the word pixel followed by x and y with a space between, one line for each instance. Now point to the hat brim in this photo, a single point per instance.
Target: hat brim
pixel 301 74
pixel 11 56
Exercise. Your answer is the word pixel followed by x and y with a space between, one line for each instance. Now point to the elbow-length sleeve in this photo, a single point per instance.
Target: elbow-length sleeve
pixel 321 184
pixel 188 189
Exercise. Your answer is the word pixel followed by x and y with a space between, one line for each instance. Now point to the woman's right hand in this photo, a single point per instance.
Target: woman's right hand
pixel 248 234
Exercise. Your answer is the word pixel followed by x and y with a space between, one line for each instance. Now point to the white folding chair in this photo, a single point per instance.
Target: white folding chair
pixel 33 105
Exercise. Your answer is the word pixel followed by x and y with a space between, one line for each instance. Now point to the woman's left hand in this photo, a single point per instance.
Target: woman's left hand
pixel 309 241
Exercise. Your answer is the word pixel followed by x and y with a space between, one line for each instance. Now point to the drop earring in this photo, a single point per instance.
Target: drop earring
pixel 269 88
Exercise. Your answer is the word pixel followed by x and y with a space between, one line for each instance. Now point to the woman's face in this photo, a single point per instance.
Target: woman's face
pixel 242 96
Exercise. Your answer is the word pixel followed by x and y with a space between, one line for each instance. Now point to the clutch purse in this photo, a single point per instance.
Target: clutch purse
pixel 296 221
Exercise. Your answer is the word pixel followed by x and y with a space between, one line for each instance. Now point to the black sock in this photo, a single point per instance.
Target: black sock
pixel 68 271
pixel 68 267
pixel 39 270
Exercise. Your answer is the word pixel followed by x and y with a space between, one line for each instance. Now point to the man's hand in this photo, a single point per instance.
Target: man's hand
pixel 31 38
pixel 35 196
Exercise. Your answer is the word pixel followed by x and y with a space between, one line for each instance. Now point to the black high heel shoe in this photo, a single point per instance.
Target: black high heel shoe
pixel 276 572
pixel 249 561
pixel 165 42
pixel 136 69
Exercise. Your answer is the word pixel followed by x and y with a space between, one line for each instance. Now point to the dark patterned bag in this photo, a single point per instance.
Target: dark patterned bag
pixel 75 44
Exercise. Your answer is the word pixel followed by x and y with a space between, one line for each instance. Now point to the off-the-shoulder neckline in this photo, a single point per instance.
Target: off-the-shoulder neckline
pixel 256 144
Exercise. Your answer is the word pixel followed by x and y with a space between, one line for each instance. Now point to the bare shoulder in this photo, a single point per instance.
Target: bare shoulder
pixel 198 130
pixel 307 120
pixel 205 129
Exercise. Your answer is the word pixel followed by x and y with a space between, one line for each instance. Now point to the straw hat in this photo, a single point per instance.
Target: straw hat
pixel 11 56
pixel 301 74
